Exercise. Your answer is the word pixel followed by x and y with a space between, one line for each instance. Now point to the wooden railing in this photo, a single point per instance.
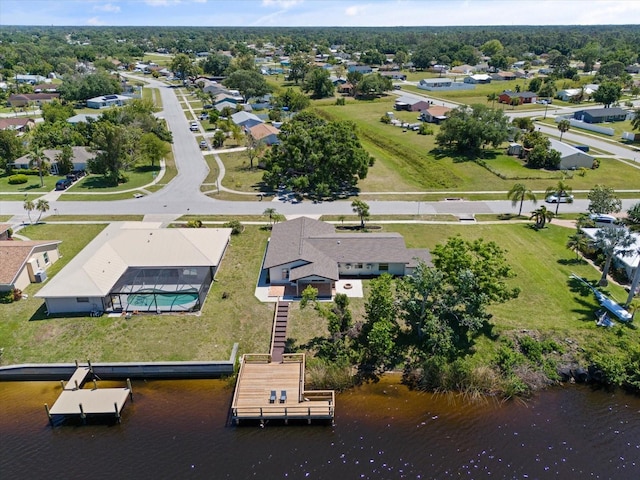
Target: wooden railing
pixel 307 410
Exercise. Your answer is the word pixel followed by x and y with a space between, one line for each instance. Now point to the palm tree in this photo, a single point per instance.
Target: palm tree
pixel 635 122
pixel 612 241
pixel 42 206
pixel 578 243
pixel 561 189
pixel 541 217
pixel 519 193
pixel 563 126
pixel 271 212
pixel 492 97
pixel 29 206
pixel 634 283
pixel 37 157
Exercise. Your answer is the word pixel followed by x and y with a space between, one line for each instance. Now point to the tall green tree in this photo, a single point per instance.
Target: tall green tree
pixel 37 159
pixel 577 242
pixel 183 66
pixel 11 148
pixel 299 66
pixel 29 206
pixel 541 216
pixel 373 85
pixel 115 147
pixel 635 121
pixel 153 149
pixel 250 83
pixel 42 206
pixel 216 64
pixel 608 93
pixel 469 129
pixel 318 83
pixel 518 194
pixel 603 199
pixel 64 160
pixel 316 158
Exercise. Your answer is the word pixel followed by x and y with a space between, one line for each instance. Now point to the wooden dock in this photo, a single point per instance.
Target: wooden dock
pixel 78 401
pixel 279 333
pixel 267 390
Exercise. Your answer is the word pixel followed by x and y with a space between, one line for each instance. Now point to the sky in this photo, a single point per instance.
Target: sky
pixel 318 12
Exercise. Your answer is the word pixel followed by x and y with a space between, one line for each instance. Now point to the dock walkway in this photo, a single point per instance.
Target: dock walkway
pixel 279 333
pixel 78 401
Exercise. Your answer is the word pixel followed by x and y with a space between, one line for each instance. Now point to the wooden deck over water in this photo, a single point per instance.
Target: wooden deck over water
pixel 259 377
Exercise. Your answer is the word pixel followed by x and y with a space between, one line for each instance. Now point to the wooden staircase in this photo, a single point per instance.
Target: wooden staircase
pixel 279 334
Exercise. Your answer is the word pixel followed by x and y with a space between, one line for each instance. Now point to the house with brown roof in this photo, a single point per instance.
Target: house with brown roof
pixel 523 97
pixel 24 99
pixel 304 251
pixel 435 114
pixel 22 263
pixel 5 231
pixel 21 124
pixel 265 133
pixel 503 76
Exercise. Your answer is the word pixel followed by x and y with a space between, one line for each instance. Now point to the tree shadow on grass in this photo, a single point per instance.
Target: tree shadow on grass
pixel 571 261
pixel 464 156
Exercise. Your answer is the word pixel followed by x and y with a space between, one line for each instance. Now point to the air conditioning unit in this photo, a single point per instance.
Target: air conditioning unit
pixel 348 267
pixel 40 276
pixel 368 266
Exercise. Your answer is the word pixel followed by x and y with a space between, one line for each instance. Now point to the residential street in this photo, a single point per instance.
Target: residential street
pixel 182 195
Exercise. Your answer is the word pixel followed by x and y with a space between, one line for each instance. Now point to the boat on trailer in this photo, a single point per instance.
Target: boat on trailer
pixel 605 302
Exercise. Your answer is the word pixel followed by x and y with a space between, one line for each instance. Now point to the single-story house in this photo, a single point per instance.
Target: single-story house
pixel 83 118
pixel 600 115
pixel 503 76
pixel 19 124
pixel 80 159
pixel 463 69
pixel 583 93
pixel 411 104
pixel 436 84
pixel 525 97
pixel 139 267
pixel 571 158
pixel 227 97
pixel 337 80
pixel 265 133
pixel 32 79
pixel 394 75
pixel 22 263
pixel 345 88
pixel 246 119
pixel 305 251
pixel 364 69
pixel 633 68
pixel 629 263
pixel 107 101
pixel 222 105
pixel 45 88
pixel 24 99
pixel 478 78
pixel 435 114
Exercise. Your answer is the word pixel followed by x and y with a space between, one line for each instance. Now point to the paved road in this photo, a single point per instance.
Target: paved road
pixel 182 195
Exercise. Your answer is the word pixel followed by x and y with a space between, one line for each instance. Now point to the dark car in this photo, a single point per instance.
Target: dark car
pixel 63 184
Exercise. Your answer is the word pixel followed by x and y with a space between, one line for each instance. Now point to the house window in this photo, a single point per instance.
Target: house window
pixel 383 267
pixel 38 263
pixel 358 265
pixel 82 299
pixel 190 272
pixel 45 255
pixel 285 274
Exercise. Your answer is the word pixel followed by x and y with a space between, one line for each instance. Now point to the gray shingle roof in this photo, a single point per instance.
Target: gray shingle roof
pixel 321 249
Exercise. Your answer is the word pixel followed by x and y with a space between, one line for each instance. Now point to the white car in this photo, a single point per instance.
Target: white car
pixel 194 127
pixel 562 198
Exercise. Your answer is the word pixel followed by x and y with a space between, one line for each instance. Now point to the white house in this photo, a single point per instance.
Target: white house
pixel 629 263
pixel 107 101
pixel 138 266
pixel 22 263
pixel 571 158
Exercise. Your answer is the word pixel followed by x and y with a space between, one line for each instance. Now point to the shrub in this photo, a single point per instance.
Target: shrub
pixel 18 179
pixel 236 227
pixel 385 119
pixel 425 129
pixel 340 101
pixel 6 297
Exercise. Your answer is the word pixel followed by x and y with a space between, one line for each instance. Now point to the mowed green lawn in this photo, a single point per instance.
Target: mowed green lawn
pixel 406 161
pixel 547 303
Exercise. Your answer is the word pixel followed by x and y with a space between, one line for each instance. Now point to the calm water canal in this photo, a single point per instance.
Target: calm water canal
pixel 177 430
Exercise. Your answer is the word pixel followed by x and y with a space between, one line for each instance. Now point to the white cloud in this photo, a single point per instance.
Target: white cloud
pixel 95 21
pixel 284 4
pixel 161 3
pixel 107 7
pixel 355 10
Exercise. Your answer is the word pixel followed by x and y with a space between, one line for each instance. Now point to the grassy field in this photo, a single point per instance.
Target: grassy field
pixel 169 174
pixel 238 174
pixel 549 302
pixel 94 218
pixel 32 185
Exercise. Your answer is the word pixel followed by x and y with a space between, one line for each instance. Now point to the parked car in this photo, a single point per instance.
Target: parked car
pixel 63 184
pixel 603 220
pixel 203 145
pixel 207 107
pixel 204 116
pixel 194 127
pixel 562 198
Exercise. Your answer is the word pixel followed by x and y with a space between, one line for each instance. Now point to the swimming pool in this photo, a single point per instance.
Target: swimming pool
pixel 162 300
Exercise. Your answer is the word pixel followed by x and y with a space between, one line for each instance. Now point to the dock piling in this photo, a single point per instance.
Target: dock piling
pixel 46 407
pixel 77 386
pixel 95 385
pixel 115 404
pixel 77 364
pixel 130 389
pixel 62 384
pixel 83 416
pixel 90 367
